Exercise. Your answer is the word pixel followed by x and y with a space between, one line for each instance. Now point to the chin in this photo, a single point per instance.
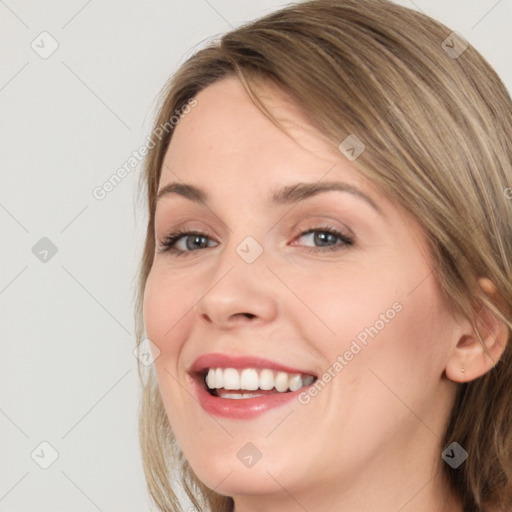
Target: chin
pixel 233 468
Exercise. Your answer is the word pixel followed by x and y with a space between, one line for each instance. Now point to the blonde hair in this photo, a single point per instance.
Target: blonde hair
pixel 437 129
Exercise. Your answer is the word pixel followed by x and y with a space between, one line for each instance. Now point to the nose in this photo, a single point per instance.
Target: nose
pixel 238 294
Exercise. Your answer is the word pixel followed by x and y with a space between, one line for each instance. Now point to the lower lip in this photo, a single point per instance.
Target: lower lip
pixel 244 408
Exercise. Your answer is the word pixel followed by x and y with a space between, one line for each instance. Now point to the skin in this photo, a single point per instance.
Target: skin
pixel 370 440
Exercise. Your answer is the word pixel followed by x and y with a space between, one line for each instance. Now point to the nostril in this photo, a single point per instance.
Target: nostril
pixel 206 317
pixel 250 316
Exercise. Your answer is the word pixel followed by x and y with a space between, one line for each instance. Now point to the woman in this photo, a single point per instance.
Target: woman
pixel 327 279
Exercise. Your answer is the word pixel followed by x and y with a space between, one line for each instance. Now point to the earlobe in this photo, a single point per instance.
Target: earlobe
pixel 469 359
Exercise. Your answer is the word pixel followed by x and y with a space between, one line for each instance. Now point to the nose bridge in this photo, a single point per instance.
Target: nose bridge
pixel 238 285
pixel 242 255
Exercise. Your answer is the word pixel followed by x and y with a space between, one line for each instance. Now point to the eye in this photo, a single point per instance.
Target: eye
pixel 180 242
pixel 324 238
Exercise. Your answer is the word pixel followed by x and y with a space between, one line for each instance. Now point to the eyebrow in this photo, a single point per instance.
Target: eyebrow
pixel 189 191
pixel 286 195
pixel 301 191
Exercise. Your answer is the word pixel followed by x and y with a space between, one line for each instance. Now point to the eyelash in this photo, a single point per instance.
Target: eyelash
pixel 169 242
pixel 345 240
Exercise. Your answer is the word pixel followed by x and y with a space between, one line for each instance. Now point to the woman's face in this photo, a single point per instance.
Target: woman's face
pixel 296 269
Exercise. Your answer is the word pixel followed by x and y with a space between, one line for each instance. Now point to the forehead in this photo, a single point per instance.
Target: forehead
pixel 226 134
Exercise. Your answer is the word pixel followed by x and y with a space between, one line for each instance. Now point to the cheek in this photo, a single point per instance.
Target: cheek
pixel 168 309
pixel 408 352
pixel 379 314
pixel 168 304
pixel 340 305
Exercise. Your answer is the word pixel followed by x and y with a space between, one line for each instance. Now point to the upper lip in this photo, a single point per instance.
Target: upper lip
pixel 219 360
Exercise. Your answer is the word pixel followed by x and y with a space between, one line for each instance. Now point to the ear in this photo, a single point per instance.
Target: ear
pixel 468 359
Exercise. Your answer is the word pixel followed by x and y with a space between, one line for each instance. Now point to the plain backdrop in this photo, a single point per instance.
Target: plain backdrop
pixel 69 119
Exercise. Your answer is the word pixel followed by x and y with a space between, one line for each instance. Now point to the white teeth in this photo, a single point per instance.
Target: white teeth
pixel 210 379
pixel 266 379
pixel 219 378
pixel 233 396
pixel 237 396
pixel 295 382
pixel 281 382
pixel 251 379
pixel 231 379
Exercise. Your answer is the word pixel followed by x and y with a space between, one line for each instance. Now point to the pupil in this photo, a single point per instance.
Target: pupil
pixel 196 241
pixel 324 238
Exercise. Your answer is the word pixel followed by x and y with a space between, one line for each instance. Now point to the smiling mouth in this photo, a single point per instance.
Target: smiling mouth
pixel 235 384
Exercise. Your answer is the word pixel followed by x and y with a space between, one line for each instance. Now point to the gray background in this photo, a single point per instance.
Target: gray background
pixel 68 122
